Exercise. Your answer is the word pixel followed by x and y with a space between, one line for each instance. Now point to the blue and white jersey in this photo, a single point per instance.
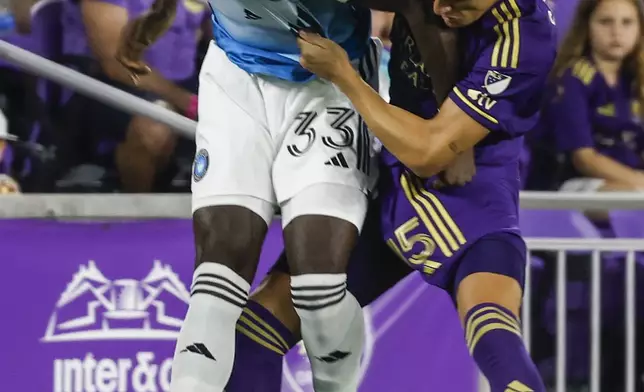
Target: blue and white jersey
pixel 256 37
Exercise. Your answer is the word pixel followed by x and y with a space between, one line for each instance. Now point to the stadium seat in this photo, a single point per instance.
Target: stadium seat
pixel 627 224
pixel 556 224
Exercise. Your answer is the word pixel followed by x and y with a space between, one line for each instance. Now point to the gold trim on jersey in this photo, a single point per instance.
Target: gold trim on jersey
pixel 584 71
pixel 438 222
pixel 478 110
pixel 508 43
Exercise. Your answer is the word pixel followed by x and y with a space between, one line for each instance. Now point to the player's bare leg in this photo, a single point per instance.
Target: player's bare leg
pixel 228 241
pixel 488 306
pixel 318 249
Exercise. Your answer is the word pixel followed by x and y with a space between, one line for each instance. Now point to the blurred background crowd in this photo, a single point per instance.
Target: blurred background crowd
pixel 52 140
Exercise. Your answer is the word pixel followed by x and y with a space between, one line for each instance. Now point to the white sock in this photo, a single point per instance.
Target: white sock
pixel 332 329
pixel 205 351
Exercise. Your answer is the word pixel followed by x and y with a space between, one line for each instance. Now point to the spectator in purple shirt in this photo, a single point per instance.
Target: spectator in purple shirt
pixel 595 107
pixel 93 29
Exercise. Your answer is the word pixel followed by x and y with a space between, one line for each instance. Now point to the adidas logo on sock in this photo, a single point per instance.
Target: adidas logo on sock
pixel 198 348
pixel 338 161
pixel 334 356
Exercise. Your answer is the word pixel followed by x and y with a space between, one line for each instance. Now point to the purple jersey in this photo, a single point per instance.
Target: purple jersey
pixel 173 55
pixel 506 58
pixel 582 110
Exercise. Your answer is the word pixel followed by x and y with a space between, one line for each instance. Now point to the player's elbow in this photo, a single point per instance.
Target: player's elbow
pixel 427 163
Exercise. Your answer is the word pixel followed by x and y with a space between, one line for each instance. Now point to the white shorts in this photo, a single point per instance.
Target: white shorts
pixel 262 140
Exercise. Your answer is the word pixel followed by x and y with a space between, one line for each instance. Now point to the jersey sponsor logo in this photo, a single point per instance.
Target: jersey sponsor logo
pixel 481 99
pixel 200 165
pixel 496 82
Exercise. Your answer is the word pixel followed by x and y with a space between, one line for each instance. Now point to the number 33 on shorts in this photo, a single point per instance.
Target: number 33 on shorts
pixel 332 143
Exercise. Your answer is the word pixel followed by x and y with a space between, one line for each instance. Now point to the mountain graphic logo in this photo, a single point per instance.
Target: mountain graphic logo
pixel 93 307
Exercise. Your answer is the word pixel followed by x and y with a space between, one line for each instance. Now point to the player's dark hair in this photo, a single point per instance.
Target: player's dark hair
pixel 576 45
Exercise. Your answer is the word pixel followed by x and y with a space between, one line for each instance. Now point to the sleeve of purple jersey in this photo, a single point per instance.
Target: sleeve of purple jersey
pixel 500 99
pixel 505 85
pixel 569 114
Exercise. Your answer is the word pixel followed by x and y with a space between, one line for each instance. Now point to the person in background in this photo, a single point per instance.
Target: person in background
pixel 94 28
pixel 7 183
pixel 595 105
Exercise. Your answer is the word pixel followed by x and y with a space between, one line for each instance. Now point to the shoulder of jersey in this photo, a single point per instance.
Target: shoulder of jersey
pixel 584 71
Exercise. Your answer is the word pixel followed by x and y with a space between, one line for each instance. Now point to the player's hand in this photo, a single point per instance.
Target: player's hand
pixel 323 57
pixel 459 172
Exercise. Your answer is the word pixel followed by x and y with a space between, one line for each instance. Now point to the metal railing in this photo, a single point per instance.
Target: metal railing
pixel 93 88
pixel 597 248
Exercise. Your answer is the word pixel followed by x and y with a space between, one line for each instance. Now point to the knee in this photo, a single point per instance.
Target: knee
pixel 318 244
pixel 229 235
pixel 484 287
pixel 156 138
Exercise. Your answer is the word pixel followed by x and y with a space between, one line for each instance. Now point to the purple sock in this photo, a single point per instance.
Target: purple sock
pixel 493 336
pixel 261 343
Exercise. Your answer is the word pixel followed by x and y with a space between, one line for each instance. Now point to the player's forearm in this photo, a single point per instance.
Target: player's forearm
pixel 416 142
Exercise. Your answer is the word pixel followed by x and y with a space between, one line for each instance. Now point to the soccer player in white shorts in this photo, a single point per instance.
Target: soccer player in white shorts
pixel 271 135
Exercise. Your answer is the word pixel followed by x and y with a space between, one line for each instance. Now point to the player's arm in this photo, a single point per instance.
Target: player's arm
pixel 468 115
pixel 424 146
pixel 104 23
pixel 438 48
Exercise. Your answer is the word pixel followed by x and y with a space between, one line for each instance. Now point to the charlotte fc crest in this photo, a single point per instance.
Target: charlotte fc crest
pixel 496 83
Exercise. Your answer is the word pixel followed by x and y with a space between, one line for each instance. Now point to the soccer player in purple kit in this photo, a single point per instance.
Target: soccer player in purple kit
pixel 464 239
pixel 594 104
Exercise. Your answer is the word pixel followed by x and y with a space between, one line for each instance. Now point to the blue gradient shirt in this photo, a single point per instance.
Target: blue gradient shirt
pixel 256 37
